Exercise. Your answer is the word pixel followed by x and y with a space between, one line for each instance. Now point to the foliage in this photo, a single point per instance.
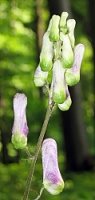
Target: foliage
pixel 17 59
pixel 12 182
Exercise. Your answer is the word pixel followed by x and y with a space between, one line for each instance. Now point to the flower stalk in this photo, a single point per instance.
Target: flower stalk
pixel 59 67
pixel 37 150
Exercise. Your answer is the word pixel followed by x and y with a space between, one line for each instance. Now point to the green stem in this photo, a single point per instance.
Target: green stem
pixel 38 147
pixel 40 194
pixel 28 152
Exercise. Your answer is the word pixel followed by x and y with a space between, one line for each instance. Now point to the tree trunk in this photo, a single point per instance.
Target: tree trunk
pixel 91 8
pixel 74 133
pixel 76 148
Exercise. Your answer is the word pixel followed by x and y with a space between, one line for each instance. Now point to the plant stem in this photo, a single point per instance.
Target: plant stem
pixel 40 194
pixel 28 152
pixel 38 147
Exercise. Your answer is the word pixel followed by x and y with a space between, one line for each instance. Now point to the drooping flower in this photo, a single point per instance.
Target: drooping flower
pixel 54 28
pixel 72 75
pixel 40 77
pixel 52 179
pixel 20 128
pixel 67 51
pixel 63 22
pixel 71 26
pixel 58 82
pixel 46 54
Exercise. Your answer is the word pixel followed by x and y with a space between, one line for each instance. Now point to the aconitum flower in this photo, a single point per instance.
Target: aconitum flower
pixel 54 29
pixel 58 82
pixel 72 75
pixel 63 23
pixel 52 179
pixel 20 128
pixel 46 55
pixel 40 77
pixel 67 51
pixel 71 26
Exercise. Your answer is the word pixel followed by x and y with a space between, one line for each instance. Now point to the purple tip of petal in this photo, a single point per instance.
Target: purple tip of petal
pixel 52 177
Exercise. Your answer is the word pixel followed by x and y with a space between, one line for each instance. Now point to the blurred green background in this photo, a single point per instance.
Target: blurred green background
pixel 22 25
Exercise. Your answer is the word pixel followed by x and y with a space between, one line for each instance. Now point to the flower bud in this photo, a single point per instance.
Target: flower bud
pixel 52 179
pixel 40 77
pixel 63 24
pixel 54 28
pixel 72 75
pixel 71 26
pixel 67 52
pixel 20 129
pixel 58 83
pixel 67 103
pixel 46 55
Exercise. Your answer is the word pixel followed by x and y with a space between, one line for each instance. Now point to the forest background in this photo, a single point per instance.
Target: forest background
pixel 22 25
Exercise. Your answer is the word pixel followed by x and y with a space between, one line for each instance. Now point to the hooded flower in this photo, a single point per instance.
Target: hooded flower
pixel 72 75
pixel 71 26
pixel 54 28
pixel 52 179
pixel 67 51
pixel 58 82
pixel 63 22
pixel 20 128
pixel 46 54
pixel 40 77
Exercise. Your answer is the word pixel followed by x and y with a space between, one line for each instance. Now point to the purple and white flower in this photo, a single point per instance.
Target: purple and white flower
pixel 20 128
pixel 52 179
pixel 72 75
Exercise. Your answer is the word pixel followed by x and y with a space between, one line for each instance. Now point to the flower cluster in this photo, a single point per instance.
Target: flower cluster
pixel 60 60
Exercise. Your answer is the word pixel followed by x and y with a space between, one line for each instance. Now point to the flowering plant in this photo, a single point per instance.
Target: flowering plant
pixel 58 68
